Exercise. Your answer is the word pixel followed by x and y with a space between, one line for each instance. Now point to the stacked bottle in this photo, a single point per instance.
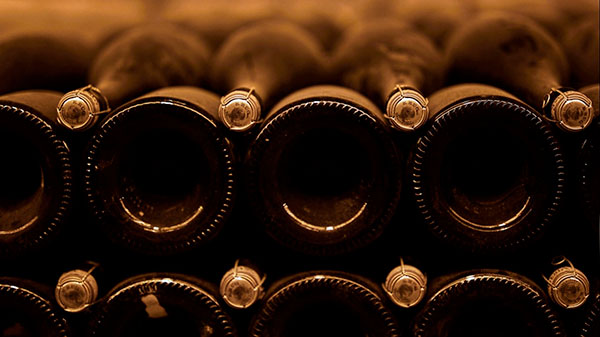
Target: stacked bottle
pixel 173 148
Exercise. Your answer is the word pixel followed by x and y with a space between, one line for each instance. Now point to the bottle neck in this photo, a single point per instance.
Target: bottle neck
pixel 593 93
pixel 273 58
pixel 376 57
pixel 509 51
pixel 148 58
pixel 535 86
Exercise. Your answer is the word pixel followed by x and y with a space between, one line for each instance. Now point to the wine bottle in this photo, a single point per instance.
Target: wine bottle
pixel 35 175
pixel 215 21
pixel 394 66
pixel 51 59
pixel 326 21
pixel 140 60
pixel 159 172
pixel 591 324
pixel 436 19
pixel 486 303
pixel 162 304
pixel 514 53
pixel 588 165
pixel 324 303
pixel 28 310
pixel 260 63
pixel 488 174
pixel 544 12
pixel 323 172
pixel 581 44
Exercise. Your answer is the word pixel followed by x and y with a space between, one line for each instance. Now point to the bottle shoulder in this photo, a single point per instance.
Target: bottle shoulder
pixel 323 94
pixel 42 103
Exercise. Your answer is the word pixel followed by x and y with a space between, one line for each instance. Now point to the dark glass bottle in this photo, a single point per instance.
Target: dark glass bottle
pixel 582 46
pixel 588 178
pixel 436 19
pixel 591 323
pixel 323 174
pixel 544 12
pixel 514 53
pixel 139 60
pixel 488 174
pixel 28 310
pixel 35 175
pixel 215 22
pixel 159 172
pixel 486 303
pixel 52 59
pixel 324 303
pixel 394 66
pixel 162 304
pixel 260 63
pixel 326 21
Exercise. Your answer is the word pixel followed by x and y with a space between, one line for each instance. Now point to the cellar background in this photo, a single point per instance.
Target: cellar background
pixel 215 19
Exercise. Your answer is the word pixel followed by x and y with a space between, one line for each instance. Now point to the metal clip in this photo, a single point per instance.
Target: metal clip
pixel 567 286
pixel 556 261
pixel 100 95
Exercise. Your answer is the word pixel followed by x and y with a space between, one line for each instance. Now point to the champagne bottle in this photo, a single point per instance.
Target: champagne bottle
pixel 544 12
pixel 51 59
pixel 488 174
pixel 591 324
pixel 588 166
pixel 325 21
pixel 162 304
pixel 581 44
pixel 140 60
pixel 323 172
pixel 35 175
pixel 324 303
pixel 394 66
pixel 486 303
pixel 260 63
pixel 514 53
pixel 586 195
pixel 436 19
pixel 28 310
pixel 159 172
pixel 215 21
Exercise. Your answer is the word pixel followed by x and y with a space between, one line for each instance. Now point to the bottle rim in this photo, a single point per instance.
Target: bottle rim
pixel 271 130
pixel 35 301
pixel 35 234
pixel 456 289
pixel 592 319
pixel 153 283
pixel 277 297
pixel 443 225
pixel 209 228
